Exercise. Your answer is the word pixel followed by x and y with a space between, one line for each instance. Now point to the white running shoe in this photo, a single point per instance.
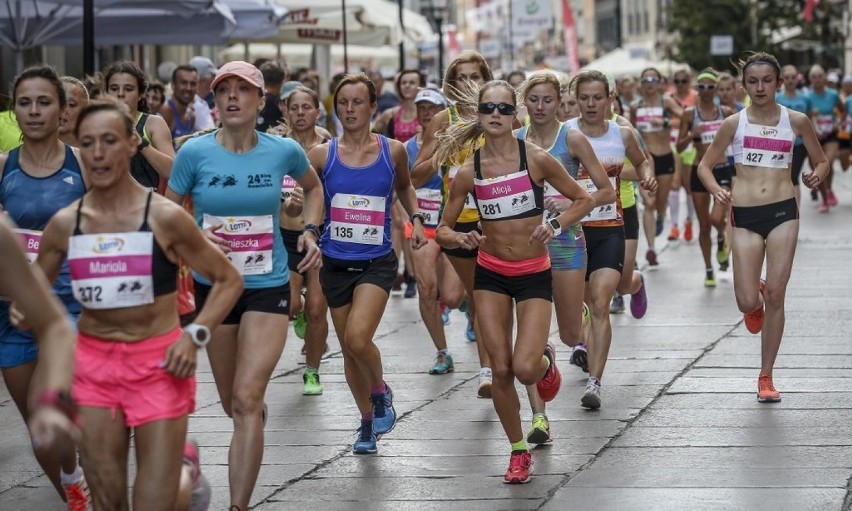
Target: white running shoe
pixel 592 397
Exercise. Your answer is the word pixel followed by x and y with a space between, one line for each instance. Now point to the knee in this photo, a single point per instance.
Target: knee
pixel 501 372
pixel 316 313
pixel 599 306
pixel 773 297
pixel 427 288
pixel 569 335
pixel 357 346
pixel 527 372
pixel 748 304
pixel 247 402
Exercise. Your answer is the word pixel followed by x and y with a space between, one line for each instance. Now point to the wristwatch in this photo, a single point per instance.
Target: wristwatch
pixel 199 334
pixel 554 224
pixel 420 217
pixel 314 228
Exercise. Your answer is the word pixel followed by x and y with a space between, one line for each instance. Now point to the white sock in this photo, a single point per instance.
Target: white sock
pixel 72 477
pixel 690 209
pixel 485 371
pixel 674 206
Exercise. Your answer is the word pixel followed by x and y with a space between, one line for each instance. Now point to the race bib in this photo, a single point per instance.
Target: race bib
pixel 645 116
pixel 708 131
pixel 31 239
pixel 250 239
pixel 469 203
pixel 287 187
pixel 429 204
pixel 112 271
pixel 604 211
pixel 765 146
pixel 358 219
pixel 825 124
pixel 504 196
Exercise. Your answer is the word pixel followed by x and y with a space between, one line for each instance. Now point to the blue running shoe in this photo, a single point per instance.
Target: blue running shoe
pixel 469 331
pixel 658 226
pixel 445 313
pixel 384 416
pixel 365 442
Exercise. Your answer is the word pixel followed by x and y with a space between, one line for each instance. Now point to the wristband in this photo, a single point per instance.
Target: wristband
pixel 314 229
pixel 62 401
pixel 418 216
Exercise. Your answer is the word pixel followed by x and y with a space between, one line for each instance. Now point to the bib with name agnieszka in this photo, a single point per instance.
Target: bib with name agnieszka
pixel 112 271
pixel 357 219
pixel 504 196
pixel 767 146
pixel 250 239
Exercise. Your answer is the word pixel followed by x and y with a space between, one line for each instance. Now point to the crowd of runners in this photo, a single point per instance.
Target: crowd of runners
pixel 213 218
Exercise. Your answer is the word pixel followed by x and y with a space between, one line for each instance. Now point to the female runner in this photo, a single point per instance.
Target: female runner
pixel 506 177
pixel 699 126
pixel 77 96
pixel 134 366
pixel 233 176
pixel 361 171
pixel 765 215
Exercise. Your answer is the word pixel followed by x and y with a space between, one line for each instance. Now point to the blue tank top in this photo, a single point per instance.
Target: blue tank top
pixel 413 151
pixel 32 201
pixel 357 205
pixel 180 128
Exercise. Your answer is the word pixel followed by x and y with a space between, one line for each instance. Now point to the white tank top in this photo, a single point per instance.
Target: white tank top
pixel 764 146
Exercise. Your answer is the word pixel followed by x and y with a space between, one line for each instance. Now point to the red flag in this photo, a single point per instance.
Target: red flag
pixel 808 11
pixel 572 50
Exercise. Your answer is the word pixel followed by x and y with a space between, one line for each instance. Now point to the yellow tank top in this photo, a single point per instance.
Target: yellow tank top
pixel 448 172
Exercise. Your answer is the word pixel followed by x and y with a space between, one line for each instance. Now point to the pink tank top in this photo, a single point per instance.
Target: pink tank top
pixel 402 131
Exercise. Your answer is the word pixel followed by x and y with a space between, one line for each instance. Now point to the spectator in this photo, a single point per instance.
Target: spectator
pixel 274 76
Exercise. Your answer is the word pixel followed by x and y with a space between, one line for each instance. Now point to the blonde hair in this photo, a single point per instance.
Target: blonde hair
pixel 540 78
pixel 451 85
pixel 454 139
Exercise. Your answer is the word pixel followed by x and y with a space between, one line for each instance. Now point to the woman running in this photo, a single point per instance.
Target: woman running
pixel 541 95
pixel 466 70
pixel 152 164
pixel 361 172
pixel 699 126
pixel 301 109
pixel 791 98
pixel 506 177
pixel 435 276
pixel 233 176
pixel 765 215
pixel 652 117
pixel 134 366
pixel 827 109
pixel 604 227
pixel 77 96
pixel 37 179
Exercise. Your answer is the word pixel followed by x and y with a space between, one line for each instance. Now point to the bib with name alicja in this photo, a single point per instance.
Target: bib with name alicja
pixel 504 196
pixel 358 219
pixel 767 146
pixel 112 270
pixel 250 239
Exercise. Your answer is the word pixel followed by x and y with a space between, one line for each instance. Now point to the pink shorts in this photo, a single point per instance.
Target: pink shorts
pixel 128 376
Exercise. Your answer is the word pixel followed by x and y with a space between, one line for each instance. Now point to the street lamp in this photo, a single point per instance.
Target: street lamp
pixel 436 11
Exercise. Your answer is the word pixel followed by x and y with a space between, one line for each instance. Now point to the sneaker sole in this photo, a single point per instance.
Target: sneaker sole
pixel 538 437
pixel 449 370
pixel 309 393
pixel 484 392
pixel 516 480
pixel 364 451
pixel 580 359
pixel 590 401
pixel 768 400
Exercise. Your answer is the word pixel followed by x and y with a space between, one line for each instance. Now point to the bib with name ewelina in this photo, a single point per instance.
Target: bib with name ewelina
pixel 112 270
pixel 357 219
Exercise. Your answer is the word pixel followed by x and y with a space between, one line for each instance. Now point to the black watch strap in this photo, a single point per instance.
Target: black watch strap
pixel 314 228
pixel 420 217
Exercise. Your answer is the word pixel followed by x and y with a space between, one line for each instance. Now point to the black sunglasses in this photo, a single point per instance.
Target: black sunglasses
pixel 706 86
pixel 503 108
pixel 650 79
pixel 680 81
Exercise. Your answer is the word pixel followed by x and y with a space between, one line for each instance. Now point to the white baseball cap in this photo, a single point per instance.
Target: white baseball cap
pixel 430 96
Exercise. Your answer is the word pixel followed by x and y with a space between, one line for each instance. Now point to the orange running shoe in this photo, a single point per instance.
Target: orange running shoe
pixel 549 384
pixel 520 468
pixel 674 233
pixel 754 319
pixel 766 392
pixel 687 231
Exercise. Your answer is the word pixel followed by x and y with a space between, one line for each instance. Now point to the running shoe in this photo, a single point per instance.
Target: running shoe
pixel 814 194
pixel 463 305
pixel 78 495
pixel 365 441
pixel 443 364
pixel 384 415
pixel 300 324
pixel 540 432
pixel 766 392
pixel 410 288
pixel 548 385
pixel 710 279
pixel 651 256
pixel 659 226
pixel 520 468
pixel 832 199
pixel 754 319
pixel 199 499
pixel 639 300
pixel 469 331
pixel 823 208
pixel 723 254
pixel 674 234
pixel 484 390
pixel 445 312
pixel 587 315
pixel 312 384
pixel 687 231
pixel 397 284
pixel 617 304
pixel 580 357
pixel 592 397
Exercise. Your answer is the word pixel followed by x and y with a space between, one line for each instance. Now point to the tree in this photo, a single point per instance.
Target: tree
pixel 750 23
